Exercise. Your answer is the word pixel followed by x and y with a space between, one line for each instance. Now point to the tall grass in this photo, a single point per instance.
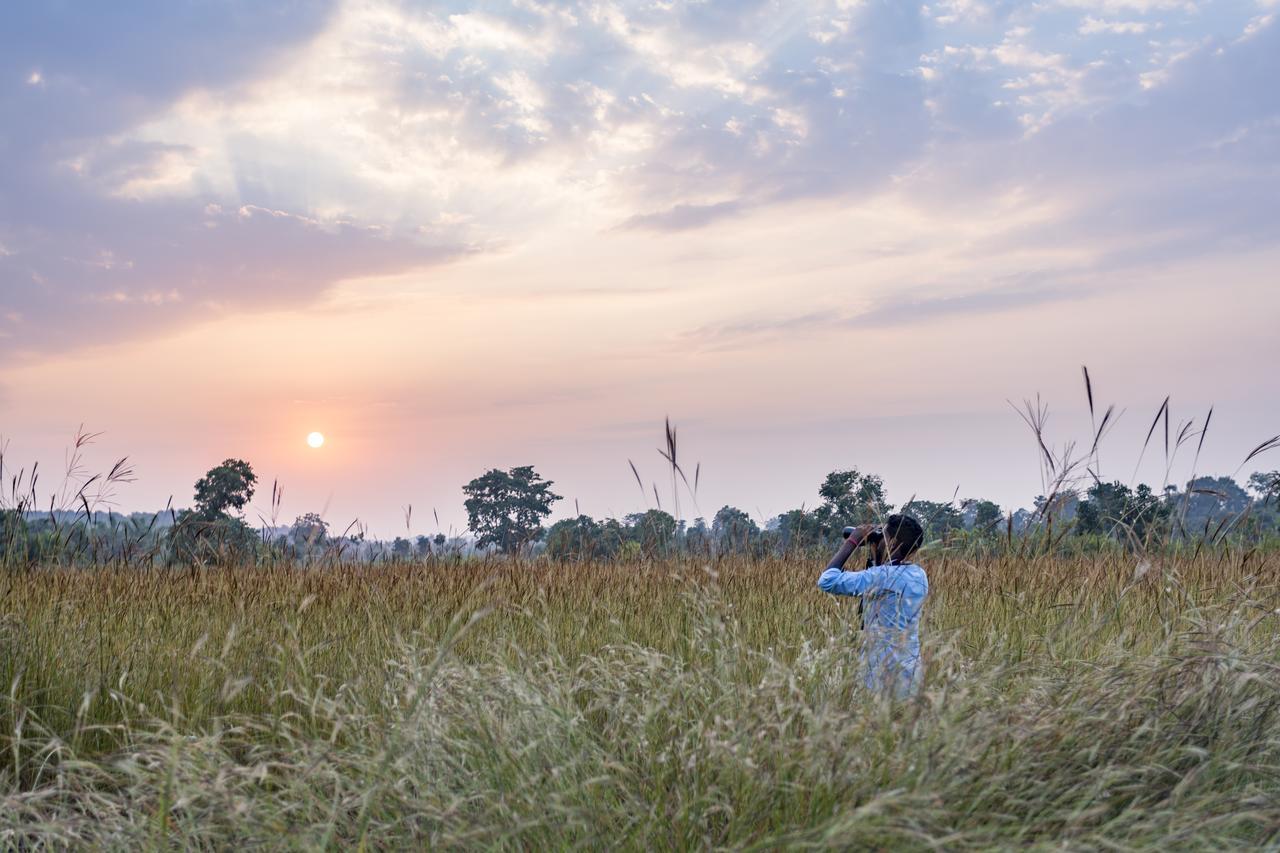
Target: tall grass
pixel 1096 700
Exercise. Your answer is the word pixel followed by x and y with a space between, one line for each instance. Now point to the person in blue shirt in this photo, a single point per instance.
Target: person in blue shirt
pixel 893 589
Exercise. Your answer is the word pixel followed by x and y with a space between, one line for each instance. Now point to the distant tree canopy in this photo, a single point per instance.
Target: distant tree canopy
pixel 1114 509
pixel 799 529
pixel 1266 485
pixel 1061 508
pixel 986 516
pixel 506 508
pixel 579 538
pixel 309 532
pixel 1209 502
pixel 851 497
pixel 732 529
pixel 937 519
pixel 209 533
pixel 655 531
pixel 228 486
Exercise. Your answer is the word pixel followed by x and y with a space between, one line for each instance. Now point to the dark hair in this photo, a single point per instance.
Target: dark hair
pixel 906 533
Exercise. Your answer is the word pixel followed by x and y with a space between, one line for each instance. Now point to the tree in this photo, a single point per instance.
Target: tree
pixel 209 533
pixel 851 497
pixel 1266 485
pixel 937 519
pixel 229 486
pixel 1113 509
pixel 798 529
pixel 422 546
pixel 578 538
pixel 309 531
pixel 506 508
pixel 401 548
pixel 614 535
pixel 1208 502
pixel 697 539
pixel 732 529
pixel 653 530
pixel 1062 508
pixel 986 516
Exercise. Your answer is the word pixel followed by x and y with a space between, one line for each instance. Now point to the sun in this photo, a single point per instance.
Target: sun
pixel 316 439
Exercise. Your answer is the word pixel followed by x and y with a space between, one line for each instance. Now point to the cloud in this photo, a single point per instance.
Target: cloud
pixel 907 308
pixel 103 235
pixel 1092 25
pixel 912 310
pixel 189 159
pixel 1142 7
pixel 120 280
pixel 1188 170
pixel 683 216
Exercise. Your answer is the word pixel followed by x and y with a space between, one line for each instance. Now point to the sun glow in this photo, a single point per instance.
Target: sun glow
pixel 315 439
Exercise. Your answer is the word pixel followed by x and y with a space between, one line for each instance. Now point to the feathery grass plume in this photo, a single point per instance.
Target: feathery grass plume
pixel 1163 410
pixel 636 473
pixel 1270 444
pixel 1099 430
pixel 670 454
pixel 1057 474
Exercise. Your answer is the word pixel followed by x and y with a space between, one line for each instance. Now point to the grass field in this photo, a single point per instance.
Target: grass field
pixel 1080 701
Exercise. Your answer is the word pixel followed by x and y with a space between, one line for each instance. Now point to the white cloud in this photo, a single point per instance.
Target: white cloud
pixel 1141 7
pixel 947 12
pixel 1092 25
pixel 1257 25
pixel 434 135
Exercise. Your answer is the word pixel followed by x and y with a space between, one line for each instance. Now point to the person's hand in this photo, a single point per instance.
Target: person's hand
pixel 860 533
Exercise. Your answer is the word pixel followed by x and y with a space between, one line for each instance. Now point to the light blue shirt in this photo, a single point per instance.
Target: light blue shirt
pixel 892 597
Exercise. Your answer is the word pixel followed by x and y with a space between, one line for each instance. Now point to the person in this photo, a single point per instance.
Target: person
pixel 893 591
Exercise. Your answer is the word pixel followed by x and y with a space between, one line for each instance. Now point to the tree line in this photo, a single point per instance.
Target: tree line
pixel 507 511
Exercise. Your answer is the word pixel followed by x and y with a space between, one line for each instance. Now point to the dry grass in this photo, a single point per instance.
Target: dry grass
pixel 1094 701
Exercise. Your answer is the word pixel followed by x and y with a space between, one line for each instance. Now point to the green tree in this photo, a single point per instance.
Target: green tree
pixel 851 497
pixel 799 529
pixel 309 532
pixel 733 530
pixel 209 533
pixel 1113 509
pixel 401 548
pixel 580 538
pixel 697 539
pixel 1266 485
pixel 506 508
pixel 1062 508
pixel 937 519
pixel 229 486
pixel 1210 502
pixel 654 531
pixel 987 516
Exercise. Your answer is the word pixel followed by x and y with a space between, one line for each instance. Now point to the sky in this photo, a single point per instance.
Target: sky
pixel 458 236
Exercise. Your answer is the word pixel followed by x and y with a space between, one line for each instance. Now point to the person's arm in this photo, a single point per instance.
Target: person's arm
pixel 848 546
pixel 839 582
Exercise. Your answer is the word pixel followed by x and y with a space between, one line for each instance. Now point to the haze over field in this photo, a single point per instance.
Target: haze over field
pixel 460 236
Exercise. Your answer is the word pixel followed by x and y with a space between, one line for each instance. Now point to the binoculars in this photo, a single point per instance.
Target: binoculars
pixel 874 537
